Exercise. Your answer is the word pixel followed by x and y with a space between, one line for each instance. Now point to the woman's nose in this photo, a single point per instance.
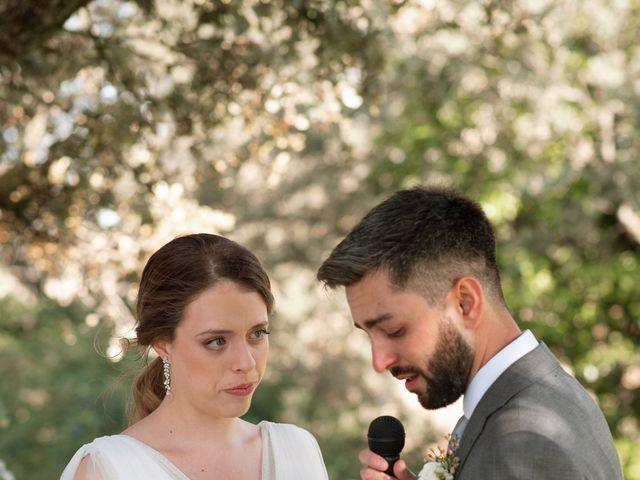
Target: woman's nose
pixel 243 360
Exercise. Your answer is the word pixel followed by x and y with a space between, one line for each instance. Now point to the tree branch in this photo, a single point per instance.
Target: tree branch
pixel 630 220
pixel 27 24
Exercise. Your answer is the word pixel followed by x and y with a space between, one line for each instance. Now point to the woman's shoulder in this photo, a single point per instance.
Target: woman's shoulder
pixel 287 429
pixel 288 434
pixel 114 456
pixel 294 450
pixel 98 449
pixel 104 442
pixel 109 442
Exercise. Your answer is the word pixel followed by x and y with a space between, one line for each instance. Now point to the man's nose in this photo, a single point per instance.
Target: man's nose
pixel 382 358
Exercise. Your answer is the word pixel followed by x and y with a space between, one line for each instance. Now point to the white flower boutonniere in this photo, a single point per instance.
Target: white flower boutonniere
pixel 442 464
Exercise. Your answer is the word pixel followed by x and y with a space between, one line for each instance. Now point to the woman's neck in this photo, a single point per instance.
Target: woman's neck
pixel 174 424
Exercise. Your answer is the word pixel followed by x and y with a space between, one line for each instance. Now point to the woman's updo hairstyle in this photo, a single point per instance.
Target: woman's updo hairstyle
pixel 172 278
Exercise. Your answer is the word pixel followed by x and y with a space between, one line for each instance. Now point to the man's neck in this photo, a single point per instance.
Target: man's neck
pixel 495 367
pixel 497 331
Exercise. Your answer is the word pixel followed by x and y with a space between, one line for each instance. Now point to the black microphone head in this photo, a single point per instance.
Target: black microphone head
pixel 386 436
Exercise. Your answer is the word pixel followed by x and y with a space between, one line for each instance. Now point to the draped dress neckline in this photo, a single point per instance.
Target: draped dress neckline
pixel 180 475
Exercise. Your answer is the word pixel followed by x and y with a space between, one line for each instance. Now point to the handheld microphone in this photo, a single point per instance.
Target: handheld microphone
pixel 386 438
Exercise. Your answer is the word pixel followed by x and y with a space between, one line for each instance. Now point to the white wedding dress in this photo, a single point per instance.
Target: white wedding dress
pixel 289 453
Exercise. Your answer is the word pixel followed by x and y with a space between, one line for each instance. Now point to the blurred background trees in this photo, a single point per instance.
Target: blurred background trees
pixel 279 124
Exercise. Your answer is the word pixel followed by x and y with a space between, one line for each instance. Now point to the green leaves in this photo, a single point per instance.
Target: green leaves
pixel 280 124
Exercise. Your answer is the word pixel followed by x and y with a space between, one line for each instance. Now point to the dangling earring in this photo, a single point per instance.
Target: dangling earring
pixel 167 375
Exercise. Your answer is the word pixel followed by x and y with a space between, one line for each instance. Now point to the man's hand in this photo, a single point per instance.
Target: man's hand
pixel 375 466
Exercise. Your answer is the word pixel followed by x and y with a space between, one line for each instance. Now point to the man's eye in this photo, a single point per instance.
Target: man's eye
pixel 396 333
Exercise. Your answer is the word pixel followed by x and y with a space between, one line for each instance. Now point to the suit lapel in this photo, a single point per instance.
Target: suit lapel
pixel 517 377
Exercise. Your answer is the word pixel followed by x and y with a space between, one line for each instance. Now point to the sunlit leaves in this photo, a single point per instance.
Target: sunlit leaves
pixel 279 124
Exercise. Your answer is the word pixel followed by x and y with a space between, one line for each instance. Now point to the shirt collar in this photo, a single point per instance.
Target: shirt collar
pixel 491 370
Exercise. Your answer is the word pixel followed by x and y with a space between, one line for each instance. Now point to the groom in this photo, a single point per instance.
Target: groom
pixel 422 282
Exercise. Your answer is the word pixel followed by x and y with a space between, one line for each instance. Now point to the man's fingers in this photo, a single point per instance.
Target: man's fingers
pixel 369 474
pixel 402 472
pixel 375 466
pixel 371 460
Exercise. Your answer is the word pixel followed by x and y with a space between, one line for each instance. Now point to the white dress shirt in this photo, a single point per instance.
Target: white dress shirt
pixel 490 371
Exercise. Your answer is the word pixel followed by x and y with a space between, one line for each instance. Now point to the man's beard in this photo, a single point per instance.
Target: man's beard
pixel 448 370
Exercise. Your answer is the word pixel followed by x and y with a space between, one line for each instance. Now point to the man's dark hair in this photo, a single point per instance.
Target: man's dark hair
pixel 426 238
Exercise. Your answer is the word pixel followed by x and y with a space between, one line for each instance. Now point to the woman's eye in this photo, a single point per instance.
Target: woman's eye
pixel 216 342
pixel 258 334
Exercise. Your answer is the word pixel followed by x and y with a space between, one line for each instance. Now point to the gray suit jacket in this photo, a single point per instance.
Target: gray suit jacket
pixel 537 422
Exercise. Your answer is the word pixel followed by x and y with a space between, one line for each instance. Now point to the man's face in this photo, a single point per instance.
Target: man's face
pixel 415 341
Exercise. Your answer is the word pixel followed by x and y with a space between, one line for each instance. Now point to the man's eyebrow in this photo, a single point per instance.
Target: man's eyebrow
pixel 369 324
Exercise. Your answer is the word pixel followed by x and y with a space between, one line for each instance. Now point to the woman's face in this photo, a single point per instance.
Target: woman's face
pixel 219 352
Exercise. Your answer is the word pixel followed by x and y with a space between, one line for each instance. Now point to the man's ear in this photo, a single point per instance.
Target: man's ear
pixel 468 296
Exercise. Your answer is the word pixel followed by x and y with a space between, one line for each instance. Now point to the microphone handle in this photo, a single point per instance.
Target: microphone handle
pixel 391 460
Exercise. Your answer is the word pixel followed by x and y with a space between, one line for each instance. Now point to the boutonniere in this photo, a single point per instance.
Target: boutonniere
pixel 442 464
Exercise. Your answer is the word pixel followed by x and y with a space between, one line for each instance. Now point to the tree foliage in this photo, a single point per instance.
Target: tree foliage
pixel 279 124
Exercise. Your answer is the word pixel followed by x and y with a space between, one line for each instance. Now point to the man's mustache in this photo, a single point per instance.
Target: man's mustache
pixel 397 370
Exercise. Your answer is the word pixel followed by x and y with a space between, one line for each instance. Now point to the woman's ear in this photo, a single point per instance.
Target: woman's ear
pixel 162 348
pixel 469 297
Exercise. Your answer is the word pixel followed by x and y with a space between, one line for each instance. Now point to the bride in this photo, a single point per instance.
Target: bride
pixel 203 307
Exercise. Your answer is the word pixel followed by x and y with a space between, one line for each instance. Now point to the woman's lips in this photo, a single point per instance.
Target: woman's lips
pixel 241 390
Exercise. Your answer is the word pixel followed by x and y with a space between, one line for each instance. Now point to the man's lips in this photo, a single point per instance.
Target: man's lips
pixel 241 390
pixel 410 379
pixel 411 382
